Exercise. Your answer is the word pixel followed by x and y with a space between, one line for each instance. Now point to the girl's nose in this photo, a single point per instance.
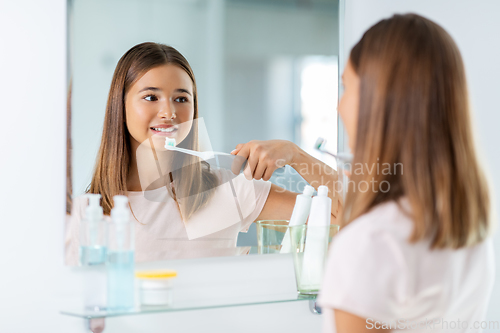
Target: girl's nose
pixel 167 112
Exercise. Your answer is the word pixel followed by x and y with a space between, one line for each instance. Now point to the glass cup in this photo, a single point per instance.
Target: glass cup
pixel 309 250
pixel 270 234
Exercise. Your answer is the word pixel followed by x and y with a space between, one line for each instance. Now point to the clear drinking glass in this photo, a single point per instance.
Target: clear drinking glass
pixel 309 250
pixel 270 234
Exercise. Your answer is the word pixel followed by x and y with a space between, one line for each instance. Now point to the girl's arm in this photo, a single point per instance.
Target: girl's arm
pixel 346 322
pixel 264 157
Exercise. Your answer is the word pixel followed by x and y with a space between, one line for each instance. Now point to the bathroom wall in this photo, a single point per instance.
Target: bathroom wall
pixel 475 26
pixel 32 165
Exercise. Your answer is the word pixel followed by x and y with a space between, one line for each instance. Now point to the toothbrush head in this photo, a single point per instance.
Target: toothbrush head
pixel 319 143
pixel 169 142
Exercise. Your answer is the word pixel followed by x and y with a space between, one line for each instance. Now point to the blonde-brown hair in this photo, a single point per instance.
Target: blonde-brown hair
pixel 414 112
pixel 113 159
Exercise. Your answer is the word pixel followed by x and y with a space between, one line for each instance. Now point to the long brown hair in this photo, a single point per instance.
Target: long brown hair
pixel 113 159
pixel 414 113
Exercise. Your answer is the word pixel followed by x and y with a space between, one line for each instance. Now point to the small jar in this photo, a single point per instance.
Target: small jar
pixel 155 287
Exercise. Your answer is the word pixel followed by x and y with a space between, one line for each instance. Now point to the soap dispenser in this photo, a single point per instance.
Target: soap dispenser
pixel 120 260
pixel 93 233
pixel 92 255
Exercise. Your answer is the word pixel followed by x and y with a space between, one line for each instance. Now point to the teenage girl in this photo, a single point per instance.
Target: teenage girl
pixel 413 252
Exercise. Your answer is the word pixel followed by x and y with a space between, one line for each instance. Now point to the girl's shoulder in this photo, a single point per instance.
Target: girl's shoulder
pixel 392 218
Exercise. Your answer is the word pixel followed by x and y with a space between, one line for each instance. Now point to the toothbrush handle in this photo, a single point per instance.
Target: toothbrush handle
pixel 338 157
pixel 186 151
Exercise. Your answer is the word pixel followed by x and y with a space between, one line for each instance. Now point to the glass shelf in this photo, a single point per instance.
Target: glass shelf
pixel 179 305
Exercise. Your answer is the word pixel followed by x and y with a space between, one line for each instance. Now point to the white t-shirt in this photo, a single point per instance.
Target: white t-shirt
pixel 373 272
pixel 160 232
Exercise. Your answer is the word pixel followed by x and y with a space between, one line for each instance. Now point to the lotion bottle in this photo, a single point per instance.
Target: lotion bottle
pixel 316 244
pixel 120 260
pixel 299 215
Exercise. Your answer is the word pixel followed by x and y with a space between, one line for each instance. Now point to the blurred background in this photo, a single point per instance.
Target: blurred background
pixel 264 69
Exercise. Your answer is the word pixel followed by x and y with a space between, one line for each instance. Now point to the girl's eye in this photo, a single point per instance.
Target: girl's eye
pixel 181 99
pixel 151 98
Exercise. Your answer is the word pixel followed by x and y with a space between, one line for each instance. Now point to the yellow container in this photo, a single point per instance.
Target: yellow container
pixel 156 287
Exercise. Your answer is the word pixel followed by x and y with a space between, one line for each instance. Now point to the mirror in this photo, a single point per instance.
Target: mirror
pixel 265 69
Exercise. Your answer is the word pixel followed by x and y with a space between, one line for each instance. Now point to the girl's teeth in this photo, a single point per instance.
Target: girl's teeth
pixel 170 129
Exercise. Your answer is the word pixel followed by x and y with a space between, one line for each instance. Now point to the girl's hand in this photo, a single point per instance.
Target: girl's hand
pixel 264 157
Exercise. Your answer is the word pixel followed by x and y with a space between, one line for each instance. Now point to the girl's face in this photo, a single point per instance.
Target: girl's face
pixel 349 103
pixel 163 93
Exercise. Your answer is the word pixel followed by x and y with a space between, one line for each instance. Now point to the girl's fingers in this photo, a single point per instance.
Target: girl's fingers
pixel 243 151
pixel 237 149
pixel 259 170
pixel 242 155
pixel 258 165
pixel 268 174
pixel 237 164
pixel 250 167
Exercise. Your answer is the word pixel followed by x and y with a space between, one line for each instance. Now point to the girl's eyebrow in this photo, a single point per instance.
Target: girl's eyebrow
pixel 149 88
pixel 158 89
pixel 183 91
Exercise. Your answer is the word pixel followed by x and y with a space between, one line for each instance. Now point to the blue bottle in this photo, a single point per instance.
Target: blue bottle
pixel 120 257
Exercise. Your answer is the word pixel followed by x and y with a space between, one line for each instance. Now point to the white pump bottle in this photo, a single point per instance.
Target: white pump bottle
pixel 93 252
pixel 93 233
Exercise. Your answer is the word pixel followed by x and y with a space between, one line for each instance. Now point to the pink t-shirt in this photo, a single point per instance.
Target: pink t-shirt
pixel 160 232
pixel 374 273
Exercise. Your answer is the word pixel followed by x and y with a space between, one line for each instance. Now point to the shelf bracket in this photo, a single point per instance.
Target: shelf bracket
pixel 314 307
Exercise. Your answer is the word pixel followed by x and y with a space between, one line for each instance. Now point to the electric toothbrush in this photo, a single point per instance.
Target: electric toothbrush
pixel 343 157
pixel 170 144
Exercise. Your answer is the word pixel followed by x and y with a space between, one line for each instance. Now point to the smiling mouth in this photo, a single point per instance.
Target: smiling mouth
pixel 164 130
